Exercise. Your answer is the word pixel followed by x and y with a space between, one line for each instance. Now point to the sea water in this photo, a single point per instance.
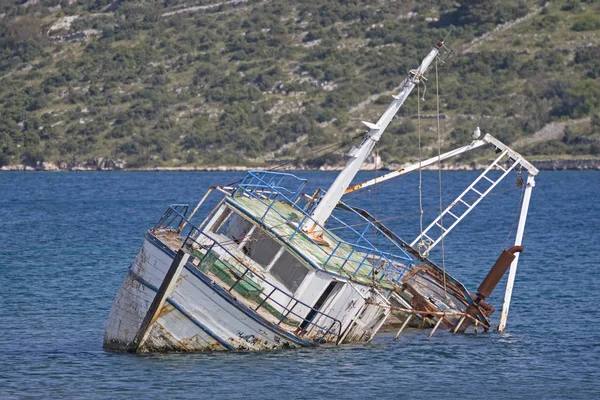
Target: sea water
pixel 66 240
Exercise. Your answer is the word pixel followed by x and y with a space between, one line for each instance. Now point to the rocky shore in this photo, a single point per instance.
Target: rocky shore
pixel 104 164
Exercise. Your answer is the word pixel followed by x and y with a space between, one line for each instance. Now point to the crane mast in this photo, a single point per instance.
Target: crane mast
pixel 358 155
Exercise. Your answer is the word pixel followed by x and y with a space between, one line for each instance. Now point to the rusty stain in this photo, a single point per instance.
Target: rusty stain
pixel 165 310
pixel 359 186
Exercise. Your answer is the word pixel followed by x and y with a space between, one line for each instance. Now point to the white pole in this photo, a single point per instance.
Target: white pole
pixel 413 167
pixel 357 156
pixel 518 240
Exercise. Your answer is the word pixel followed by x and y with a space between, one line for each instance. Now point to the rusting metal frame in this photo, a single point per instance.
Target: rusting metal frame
pixel 399 242
pixel 441 314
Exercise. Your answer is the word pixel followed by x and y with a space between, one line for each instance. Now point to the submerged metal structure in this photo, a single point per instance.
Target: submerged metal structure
pixel 273 267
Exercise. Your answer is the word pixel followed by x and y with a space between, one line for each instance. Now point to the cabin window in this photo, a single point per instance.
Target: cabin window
pixel 261 247
pixel 289 271
pixel 232 225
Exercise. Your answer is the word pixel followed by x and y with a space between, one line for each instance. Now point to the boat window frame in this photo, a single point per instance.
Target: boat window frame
pixel 229 212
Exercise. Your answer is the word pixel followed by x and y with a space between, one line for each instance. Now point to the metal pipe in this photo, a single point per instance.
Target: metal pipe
pixel 518 240
pixel 458 325
pixel 436 326
pixel 402 171
pixel 403 326
pixel 265 299
pixel 238 280
pixel 195 209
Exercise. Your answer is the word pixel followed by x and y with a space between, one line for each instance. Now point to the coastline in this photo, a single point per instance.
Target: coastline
pixel 111 166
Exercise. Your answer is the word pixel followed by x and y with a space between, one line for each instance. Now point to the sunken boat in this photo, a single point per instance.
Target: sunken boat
pixel 273 267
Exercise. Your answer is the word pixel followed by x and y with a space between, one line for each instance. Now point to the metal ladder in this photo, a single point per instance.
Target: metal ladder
pixel 427 240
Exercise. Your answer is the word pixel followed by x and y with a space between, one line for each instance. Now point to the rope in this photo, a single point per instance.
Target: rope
pixel 437 95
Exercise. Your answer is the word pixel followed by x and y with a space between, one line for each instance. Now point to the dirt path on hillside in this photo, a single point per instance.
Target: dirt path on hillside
pixel 500 29
pixel 201 8
pixel 553 130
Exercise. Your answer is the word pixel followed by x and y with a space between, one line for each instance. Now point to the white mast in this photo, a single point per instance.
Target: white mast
pixel 358 156
pixel 518 241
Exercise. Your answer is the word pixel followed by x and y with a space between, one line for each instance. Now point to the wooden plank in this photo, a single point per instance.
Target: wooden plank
pixel 166 287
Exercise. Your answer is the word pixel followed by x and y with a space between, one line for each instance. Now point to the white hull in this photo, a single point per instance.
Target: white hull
pixel 197 316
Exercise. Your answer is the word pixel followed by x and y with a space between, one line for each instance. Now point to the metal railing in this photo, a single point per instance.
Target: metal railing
pixel 272 185
pixel 241 273
pixel 267 187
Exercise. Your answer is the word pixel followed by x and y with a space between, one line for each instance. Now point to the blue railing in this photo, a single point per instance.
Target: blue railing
pixel 268 187
pixel 173 212
pixel 272 185
pixel 238 270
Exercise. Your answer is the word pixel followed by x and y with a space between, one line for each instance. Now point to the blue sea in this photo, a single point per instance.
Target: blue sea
pixel 66 240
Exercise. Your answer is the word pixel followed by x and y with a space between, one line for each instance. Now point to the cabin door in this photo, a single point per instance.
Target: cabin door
pixel 330 291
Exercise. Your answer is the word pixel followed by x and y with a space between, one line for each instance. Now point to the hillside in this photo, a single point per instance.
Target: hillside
pixel 253 82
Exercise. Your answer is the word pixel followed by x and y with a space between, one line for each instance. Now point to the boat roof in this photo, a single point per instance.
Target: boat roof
pixel 283 218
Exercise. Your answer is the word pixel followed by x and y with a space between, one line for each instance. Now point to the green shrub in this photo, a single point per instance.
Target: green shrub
pixel 587 22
